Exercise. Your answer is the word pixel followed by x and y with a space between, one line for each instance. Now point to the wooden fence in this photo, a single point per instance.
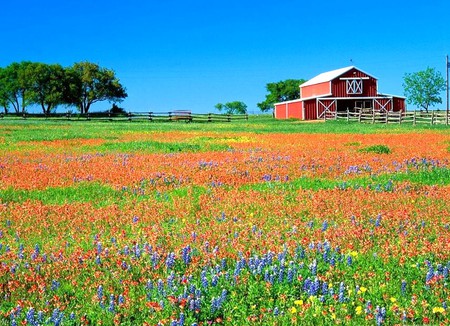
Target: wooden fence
pixel 185 116
pixel 413 117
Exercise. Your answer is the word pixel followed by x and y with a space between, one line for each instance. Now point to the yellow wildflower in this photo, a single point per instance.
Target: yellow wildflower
pixel 393 299
pixel 358 310
pixel 298 302
pixel 293 310
pixel 438 310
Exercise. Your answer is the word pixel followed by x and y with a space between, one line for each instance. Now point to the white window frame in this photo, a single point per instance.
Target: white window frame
pixel 354 86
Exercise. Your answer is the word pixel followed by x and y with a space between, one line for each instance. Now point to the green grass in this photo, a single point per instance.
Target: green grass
pixel 97 194
pixel 155 147
pixel 384 182
pixel 377 149
pixel 13 131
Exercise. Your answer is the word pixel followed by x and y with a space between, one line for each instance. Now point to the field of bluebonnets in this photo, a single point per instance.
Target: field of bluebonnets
pixel 253 222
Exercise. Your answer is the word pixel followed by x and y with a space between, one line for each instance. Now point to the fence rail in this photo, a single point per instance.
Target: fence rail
pixel 186 116
pixel 414 117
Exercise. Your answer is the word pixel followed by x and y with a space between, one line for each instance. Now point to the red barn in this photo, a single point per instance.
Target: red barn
pixel 338 90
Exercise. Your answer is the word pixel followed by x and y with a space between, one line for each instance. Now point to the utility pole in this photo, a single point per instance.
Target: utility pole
pixel 447 66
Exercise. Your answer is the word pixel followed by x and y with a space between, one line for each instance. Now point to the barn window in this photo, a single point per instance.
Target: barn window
pixel 354 86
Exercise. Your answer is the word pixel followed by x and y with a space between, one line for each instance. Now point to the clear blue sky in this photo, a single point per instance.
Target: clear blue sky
pixel 172 54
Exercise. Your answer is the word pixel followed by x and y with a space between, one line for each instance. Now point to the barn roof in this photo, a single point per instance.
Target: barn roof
pixel 330 75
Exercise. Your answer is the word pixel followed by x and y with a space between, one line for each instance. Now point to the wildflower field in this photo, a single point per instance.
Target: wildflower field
pixel 254 222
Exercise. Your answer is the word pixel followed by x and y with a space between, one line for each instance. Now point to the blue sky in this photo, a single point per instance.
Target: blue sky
pixel 191 55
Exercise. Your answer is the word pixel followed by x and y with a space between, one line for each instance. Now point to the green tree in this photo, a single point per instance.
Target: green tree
pixel 47 87
pixel 88 83
pixel 281 91
pixel 16 81
pixel 422 88
pixel 4 94
pixel 235 107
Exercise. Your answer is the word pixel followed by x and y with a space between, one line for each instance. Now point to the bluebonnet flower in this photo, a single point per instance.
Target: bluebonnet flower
pixel 325 288
pixel 111 307
pixel 378 220
pixel 154 259
pixel 137 250
pixel 182 319
pixel 160 286
pixel 290 275
pixel 341 292
pixel 57 317
pixel 72 316
pixel 186 255
pixel 276 312
pixel 214 280
pixel 203 279
pixel 403 288
pixel 20 254
pixel 99 248
pixel 349 260
pixel 313 268
pixel 324 226
pixel 100 292
pixel 55 285
pixel 30 317
pixel 40 317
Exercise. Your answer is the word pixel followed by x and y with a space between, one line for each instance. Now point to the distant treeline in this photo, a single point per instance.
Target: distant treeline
pixel 51 85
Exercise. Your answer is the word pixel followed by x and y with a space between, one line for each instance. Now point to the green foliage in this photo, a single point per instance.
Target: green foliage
pixel 15 83
pixel 422 88
pixel 115 109
pixel 81 85
pixel 281 91
pixel 377 149
pixel 235 107
pixel 47 87
pixel 89 83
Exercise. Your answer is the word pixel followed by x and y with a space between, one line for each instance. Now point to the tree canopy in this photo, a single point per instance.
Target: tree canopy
pixel 90 83
pixel 281 91
pixel 423 88
pixel 235 107
pixel 81 85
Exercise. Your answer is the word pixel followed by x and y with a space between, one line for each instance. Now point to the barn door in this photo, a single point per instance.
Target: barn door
pixel 328 107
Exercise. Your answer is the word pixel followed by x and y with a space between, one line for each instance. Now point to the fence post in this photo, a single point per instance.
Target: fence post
pixel 432 118
pixel 359 117
pixel 150 116
pixel 414 118
pixel 129 116
pixel 348 115
pixel 170 116
pixel 373 116
pixel 88 117
pixel 229 117
pixel 246 116
pixel 400 114
pixel 24 115
pixel 387 117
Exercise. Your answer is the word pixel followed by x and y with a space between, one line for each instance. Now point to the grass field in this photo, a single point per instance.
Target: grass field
pixel 250 222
